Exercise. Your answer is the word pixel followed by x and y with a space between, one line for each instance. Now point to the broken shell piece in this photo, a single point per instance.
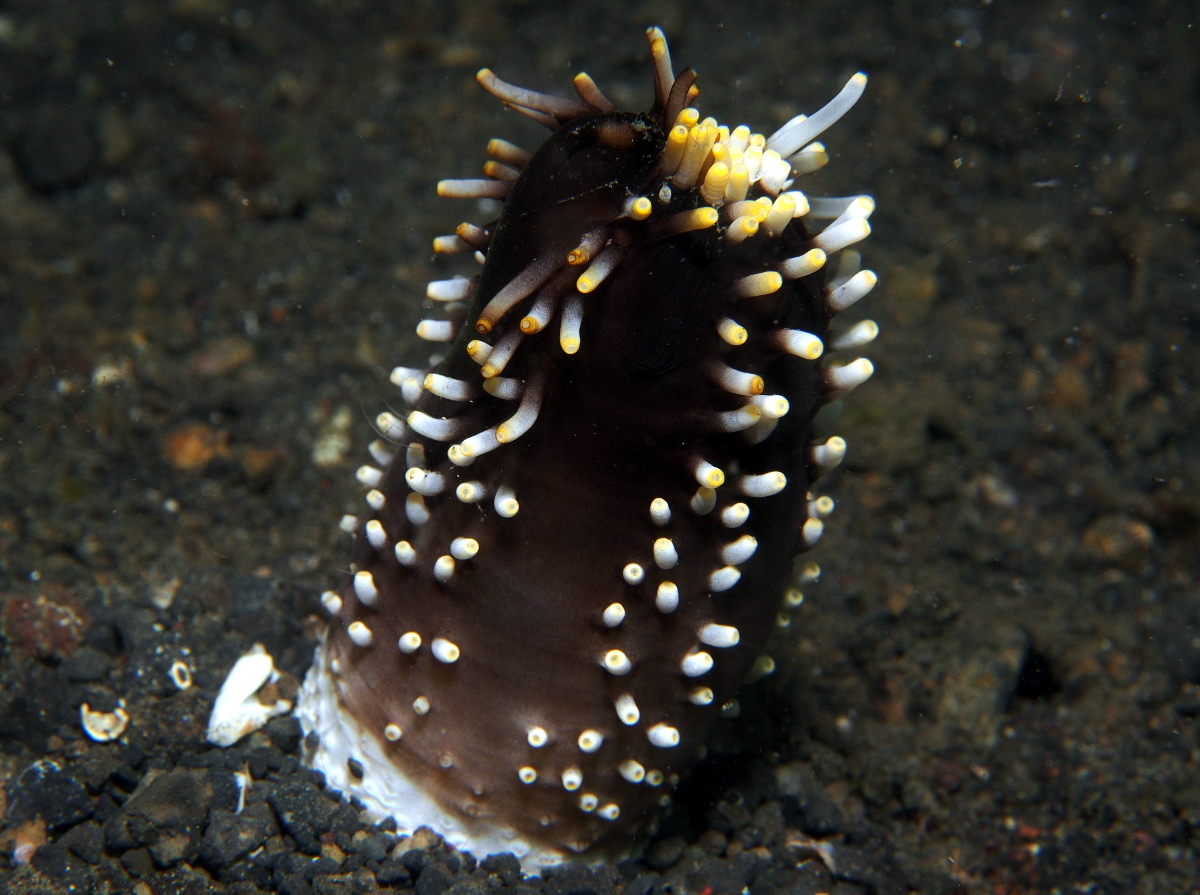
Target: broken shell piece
pixel 181 675
pixel 239 708
pixel 104 727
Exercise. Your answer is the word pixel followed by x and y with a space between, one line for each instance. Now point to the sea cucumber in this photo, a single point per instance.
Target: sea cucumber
pixel 577 541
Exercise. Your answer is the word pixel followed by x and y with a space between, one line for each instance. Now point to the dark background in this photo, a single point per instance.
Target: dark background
pixel 215 221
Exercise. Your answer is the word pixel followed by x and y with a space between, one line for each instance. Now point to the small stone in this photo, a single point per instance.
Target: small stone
pixel 303 811
pixel 387 825
pixel 414 860
pixel 126 777
pixel 455 860
pixel 47 790
pixel 257 763
pixel 1117 541
pixel 332 850
pixel 333 442
pixel 392 873
pixel 52 860
pixel 230 836
pixel 85 841
pixel 665 853
pixel 978 686
pixel 578 879
pixel 916 795
pixel 805 805
pixel 505 865
pixel 768 820
pixel 644 884
pixel 341 884
pixel 294 885
pixel 293 864
pixel 425 838
pixel 50 625
pixel 434 880
pixel 712 843
pixel 370 847
pixel 86 666
pixel 222 356
pixel 166 817
pixel 193 445
pixel 468 887
pixel 27 838
pixel 137 862
pixel 730 814
pixel 819 815
pixel 285 733
pixel 57 149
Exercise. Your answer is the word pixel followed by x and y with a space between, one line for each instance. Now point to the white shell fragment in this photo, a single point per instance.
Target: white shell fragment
pixel 181 675
pixel 237 710
pixel 104 727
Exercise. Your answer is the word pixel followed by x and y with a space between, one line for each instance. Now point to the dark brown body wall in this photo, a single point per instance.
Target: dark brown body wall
pixel 621 423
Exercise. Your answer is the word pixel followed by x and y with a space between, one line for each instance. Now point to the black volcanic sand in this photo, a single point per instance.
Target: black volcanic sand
pixel 214 237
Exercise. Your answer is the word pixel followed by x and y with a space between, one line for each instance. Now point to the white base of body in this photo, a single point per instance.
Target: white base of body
pixel 384 790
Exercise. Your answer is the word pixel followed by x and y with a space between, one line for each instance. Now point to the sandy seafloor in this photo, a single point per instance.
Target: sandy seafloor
pixel 215 221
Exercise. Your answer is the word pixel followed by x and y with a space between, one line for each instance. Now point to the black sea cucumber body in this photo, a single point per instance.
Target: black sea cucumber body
pixel 578 540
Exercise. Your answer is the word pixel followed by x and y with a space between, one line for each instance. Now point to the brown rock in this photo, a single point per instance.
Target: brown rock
pixel 1117 540
pixel 193 445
